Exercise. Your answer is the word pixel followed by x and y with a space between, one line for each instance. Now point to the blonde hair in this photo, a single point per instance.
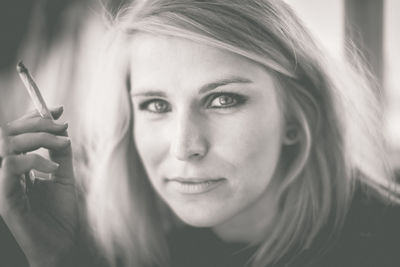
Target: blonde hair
pixel 335 109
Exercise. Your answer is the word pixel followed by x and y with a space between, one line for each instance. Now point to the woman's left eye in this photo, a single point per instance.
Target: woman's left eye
pixel 225 100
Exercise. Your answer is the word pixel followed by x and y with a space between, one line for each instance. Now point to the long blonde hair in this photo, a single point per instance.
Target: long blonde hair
pixel 335 109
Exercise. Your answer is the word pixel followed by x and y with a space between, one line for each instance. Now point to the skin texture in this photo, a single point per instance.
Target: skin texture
pixel 231 131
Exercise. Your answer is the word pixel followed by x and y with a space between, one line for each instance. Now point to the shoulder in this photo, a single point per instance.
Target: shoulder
pixel 370 235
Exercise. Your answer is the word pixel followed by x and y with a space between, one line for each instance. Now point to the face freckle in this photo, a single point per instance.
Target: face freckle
pixel 212 145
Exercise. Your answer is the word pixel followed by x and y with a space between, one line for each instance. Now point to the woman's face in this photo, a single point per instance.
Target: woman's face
pixel 207 126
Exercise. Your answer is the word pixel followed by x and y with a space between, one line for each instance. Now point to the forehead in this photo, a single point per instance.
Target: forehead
pixel 163 59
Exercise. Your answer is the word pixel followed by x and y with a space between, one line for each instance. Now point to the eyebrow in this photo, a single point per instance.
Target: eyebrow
pixel 205 88
pixel 211 86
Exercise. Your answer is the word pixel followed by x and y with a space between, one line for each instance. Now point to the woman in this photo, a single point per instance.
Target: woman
pixel 218 135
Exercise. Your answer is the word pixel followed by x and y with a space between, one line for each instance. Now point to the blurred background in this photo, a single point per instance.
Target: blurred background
pixel 57 41
pixel 374 26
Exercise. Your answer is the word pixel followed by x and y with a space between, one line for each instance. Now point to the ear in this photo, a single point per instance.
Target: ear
pixel 292 134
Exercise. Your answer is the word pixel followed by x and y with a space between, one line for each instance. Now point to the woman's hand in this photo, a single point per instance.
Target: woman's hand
pixel 42 216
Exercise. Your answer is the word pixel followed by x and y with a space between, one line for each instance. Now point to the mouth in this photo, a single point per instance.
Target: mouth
pixel 191 186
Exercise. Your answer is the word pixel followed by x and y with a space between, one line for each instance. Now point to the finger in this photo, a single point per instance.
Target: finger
pixel 28 142
pixel 35 124
pixel 55 112
pixel 64 158
pixel 16 165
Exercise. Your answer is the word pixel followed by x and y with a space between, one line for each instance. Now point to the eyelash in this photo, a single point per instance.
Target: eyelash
pixel 237 98
pixel 145 105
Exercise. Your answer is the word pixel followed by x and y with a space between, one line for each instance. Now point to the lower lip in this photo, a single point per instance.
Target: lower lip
pixel 195 188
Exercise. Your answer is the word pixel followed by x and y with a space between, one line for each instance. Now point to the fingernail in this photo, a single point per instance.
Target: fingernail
pixel 64 139
pixel 55 164
pixel 38 175
pixel 64 124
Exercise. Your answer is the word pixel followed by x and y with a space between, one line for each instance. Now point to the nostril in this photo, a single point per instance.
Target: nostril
pixel 196 155
pixel 189 141
pixel 189 150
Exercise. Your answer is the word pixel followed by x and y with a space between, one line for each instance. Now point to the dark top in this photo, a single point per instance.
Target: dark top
pixel 370 238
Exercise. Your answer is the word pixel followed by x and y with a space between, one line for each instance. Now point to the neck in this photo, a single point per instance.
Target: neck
pixel 253 224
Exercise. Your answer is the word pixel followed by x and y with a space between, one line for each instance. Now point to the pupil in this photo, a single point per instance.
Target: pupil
pixel 223 100
pixel 159 105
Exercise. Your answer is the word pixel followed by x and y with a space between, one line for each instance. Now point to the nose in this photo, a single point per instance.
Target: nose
pixel 189 140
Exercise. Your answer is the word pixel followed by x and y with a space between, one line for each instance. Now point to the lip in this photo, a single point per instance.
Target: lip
pixel 194 179
pixel 192 186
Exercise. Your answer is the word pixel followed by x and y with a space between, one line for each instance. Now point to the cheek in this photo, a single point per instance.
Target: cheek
pixel 252 144
pixel 149 143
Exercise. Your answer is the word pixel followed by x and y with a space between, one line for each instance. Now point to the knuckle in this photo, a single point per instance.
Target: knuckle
pixel 47 124
pixel 42 124
pixel 47 120
pixel 43 136
pixel 37 120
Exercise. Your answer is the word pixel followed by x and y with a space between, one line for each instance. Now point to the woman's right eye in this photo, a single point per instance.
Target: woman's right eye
pixel 155 106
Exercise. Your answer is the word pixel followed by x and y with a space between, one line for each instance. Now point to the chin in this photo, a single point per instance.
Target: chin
pixel 198 221
pixel 199 217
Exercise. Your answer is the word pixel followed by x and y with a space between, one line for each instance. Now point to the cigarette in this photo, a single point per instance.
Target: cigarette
pixel 33 91
pixel 41 107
